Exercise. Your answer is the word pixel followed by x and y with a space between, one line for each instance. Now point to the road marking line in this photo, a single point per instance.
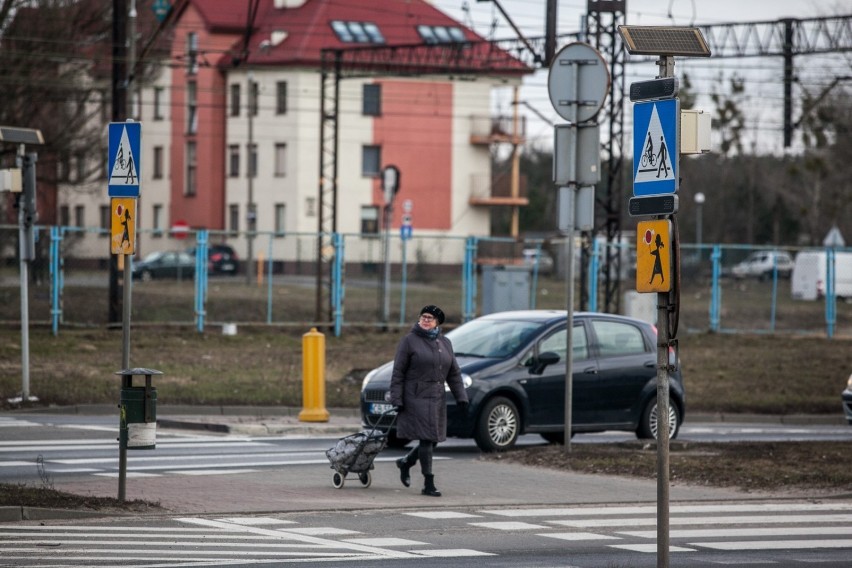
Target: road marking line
pixel 726 520
pixel 451 553
pixel 307 539
pixel 223 471
pixel 775 544
pixel 652 509
pixel 385 541
pixel 442 515
pixel 256 521
pixel 649 548
pixel 129 474
pixel 508 526
pixel 579 536
pixel 723 533
pixel 321 531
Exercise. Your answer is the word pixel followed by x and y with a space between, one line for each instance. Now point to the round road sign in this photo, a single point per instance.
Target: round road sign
pixel 578 82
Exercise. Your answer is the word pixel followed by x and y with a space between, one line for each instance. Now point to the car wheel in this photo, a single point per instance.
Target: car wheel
pixel 498 425
pixel 648 423
pixel 147 276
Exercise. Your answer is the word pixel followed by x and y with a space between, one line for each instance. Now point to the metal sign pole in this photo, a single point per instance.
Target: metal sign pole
pixel 577 84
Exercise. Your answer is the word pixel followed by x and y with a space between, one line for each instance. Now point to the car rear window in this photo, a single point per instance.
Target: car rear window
pixel 616 339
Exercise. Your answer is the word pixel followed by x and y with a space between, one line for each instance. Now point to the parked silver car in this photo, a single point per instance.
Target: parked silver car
pixel 762 264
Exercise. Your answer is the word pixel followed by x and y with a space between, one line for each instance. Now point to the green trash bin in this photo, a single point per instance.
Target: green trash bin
pixel 138 411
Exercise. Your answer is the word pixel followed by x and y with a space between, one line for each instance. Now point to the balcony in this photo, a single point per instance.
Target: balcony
pixel 497 191
pixel 486 130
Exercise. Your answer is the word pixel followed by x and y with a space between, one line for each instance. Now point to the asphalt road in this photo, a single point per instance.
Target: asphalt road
pixel 243 500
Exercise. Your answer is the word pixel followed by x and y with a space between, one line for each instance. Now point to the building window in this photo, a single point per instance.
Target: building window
pixel 280 211
pixel 280 160
pixel 191 107
pixel 372 104
pixel 357 32
pixel 158 103
pixel 371 157
pixel 369 220
pixel 191 169
pixel 254 95
pixel 235 99
pixel 192 53
pixel 234 160
pixel 158 162
pixel 281 97
pixel 157 220
pixel 441 34
pixel 79 216
pixel 234 218
pixel 64 216
pixel 106 222
pixel 310 207
pixel 80 164
pixel 252 161
pixel 64 167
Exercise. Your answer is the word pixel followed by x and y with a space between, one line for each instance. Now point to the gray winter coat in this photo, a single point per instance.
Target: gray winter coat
pixel 420 369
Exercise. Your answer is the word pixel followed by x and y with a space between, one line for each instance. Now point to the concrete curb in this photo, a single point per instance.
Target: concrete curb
pixel 16 514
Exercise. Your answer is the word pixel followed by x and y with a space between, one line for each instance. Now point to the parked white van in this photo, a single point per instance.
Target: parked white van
pixel 808 280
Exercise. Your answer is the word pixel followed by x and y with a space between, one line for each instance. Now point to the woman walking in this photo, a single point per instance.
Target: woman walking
pixel 424 361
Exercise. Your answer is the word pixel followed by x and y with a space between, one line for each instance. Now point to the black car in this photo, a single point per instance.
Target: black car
pixel 165 264
pixel 221 259
pixel 847 400
pixel 513 367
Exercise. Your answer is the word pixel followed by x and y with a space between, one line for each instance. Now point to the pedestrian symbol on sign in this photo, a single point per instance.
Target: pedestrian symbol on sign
pixel 124 167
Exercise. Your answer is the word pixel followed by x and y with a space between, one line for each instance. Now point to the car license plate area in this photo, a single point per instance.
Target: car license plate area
pixel 377 408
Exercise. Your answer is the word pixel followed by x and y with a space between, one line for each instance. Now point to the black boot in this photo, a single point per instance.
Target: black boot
pixel 405 464
pixel 429 487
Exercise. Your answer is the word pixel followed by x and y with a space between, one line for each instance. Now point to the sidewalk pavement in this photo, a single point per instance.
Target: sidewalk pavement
pixel 308 487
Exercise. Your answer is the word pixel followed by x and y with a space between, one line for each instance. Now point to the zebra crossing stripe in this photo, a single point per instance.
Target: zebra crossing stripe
pixel 775 544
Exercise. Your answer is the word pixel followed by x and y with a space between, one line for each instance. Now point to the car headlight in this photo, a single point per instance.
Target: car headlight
pixel 466 381
pixel 367 379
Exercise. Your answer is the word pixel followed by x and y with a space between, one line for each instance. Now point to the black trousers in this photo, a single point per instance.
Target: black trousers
pixel 424 452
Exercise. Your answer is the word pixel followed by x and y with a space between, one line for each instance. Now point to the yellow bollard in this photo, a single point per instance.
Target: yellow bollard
pixel 313 378
pixel 260 269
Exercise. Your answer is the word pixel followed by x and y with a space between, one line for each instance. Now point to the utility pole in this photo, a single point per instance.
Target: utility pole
pixel 251 215
pixel 119 114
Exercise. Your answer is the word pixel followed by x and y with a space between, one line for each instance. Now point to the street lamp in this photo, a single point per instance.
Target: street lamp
pixel 699 202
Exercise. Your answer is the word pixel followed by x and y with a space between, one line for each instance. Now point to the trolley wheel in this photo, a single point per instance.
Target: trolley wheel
pixel 337 480
pixel 366 479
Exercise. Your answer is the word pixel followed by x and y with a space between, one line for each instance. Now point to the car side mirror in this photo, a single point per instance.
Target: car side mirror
pixel 543 361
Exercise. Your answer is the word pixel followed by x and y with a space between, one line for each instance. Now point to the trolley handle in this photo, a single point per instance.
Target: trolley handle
pixel 391 412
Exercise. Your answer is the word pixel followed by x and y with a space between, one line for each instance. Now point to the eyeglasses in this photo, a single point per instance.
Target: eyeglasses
pixel 426 317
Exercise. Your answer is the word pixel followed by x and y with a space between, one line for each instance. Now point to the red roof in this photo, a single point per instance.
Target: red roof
pixel 307 29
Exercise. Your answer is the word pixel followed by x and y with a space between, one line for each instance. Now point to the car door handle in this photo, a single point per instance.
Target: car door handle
pixel 591 371
pixel 651 364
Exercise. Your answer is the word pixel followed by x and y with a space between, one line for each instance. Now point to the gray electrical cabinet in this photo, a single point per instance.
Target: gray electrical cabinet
pixel 505 288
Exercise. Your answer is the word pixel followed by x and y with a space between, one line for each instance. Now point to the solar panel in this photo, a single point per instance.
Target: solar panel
pixel 16 135
pixel 664 40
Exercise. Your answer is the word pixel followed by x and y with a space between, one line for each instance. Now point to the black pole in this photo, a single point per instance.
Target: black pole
pixel 119 114
pixel 788 82
pixel 550 33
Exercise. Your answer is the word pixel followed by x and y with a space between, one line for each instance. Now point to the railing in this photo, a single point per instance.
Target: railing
pixel 70 283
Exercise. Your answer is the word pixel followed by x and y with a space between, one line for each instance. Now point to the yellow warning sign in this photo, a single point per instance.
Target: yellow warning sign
pixel 123 239
pixel 653 256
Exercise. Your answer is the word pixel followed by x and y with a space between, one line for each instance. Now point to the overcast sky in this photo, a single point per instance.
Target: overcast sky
pixel 764 76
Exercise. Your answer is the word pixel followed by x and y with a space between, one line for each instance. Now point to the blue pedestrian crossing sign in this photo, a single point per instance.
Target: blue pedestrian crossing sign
pixel 123 159
pixel 656 147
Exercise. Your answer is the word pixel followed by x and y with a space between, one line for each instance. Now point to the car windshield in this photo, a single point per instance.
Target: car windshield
pixel 492 338
pixel 151 257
